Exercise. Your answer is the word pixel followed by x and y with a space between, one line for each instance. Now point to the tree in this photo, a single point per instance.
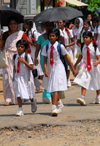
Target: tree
pixel 93 5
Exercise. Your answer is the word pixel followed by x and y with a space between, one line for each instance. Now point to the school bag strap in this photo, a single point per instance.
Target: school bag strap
pixel 47 46
pixel 62 57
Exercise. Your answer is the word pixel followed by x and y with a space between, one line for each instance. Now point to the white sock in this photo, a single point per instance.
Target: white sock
pixel 60 102
pixel 98 96
pixel 20 108
pixel 54 106
pixel 83 97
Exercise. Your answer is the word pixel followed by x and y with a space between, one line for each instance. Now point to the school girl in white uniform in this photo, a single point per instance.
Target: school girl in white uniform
pixel 76 30
pixel 55 75
pixel 23 78
pixel 89 79
pixel 68 42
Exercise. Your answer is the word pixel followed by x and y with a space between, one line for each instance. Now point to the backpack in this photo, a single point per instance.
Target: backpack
pixel 61 56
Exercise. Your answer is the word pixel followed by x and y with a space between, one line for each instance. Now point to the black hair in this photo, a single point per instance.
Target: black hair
pixel 22 42
pixel 12 18
pixel 89 34
pixel 43 24
pixel 55 31
pixel 87 21
pixel 49 22
pixel 29 22
pixel 95 18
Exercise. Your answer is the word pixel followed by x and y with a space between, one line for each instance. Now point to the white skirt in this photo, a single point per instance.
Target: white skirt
pixel 89 79
pixel 57 80
pixel 24 88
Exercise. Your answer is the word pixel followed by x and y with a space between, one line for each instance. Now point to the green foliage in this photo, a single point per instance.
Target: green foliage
pixel 93 5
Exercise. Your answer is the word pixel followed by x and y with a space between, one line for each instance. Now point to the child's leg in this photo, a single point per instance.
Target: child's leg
pixel 20 110
pixel 19 101
pixel 97 97
pixel 82 99
pixel 33 105
pixel 83 91
pixel 98 92
pixel 55 98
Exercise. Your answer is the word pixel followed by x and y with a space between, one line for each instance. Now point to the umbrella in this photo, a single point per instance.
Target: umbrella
pixel 6 12
pixel 57 13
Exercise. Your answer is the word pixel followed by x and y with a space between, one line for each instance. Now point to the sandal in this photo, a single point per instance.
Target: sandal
pixel 7 103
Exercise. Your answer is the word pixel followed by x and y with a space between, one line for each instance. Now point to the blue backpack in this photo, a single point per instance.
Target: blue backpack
pixel 61 56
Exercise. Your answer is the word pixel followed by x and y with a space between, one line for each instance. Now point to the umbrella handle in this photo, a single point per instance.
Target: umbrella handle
pixel 0 29
pixel 0 22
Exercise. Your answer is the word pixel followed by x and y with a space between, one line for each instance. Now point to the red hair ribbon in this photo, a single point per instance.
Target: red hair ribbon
pixel 94 41
pixel 67 29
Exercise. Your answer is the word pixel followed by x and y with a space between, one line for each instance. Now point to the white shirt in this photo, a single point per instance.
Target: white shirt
pixel 64 34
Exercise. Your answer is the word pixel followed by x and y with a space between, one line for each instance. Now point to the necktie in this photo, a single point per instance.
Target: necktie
pixel 29 49
pixel 63 37
pixel 51 56
pixel 88 59
pixel 18 67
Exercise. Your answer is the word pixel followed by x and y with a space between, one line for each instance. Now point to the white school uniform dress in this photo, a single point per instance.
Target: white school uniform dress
pixel 64 34
pixel 22 86
pixel 33 49
pixel 75 32
pixel 57 76
pixel 89 79
pixel 97 31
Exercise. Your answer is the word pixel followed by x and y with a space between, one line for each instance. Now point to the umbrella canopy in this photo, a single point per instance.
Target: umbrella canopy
pixel 57 13
pixel 6 12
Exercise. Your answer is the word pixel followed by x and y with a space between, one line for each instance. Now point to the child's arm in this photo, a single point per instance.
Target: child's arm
pixel 38 47
pixel 96 62
pixel 78 60
pixel 72 42
pixel 70 64
pixel 22 60
pixel 45 67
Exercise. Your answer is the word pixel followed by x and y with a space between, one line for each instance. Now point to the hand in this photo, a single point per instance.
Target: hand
pixel 71 26
pixel 76 36
pixel 36 61
pixel 21 59
pixel 46 73
pixel 95 62
pixel 74 73
pixel 75 67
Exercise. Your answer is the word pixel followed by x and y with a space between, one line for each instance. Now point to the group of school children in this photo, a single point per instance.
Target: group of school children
pixel 81 40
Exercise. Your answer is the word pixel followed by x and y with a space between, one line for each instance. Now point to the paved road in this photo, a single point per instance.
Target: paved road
pixel 71 113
